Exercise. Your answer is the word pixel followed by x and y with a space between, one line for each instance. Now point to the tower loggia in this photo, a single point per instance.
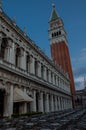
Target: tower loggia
pixel 59 46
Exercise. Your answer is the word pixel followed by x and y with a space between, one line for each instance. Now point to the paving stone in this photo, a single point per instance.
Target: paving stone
pixel 28 125
pixel 45 129
pixel 42 121
pixel 10 129
pixel 50 121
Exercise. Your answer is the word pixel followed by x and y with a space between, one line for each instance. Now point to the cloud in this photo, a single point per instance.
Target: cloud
pixel 80 59
pixel 79 82
pixel 79 75
pixel 79 71
pixel 83 50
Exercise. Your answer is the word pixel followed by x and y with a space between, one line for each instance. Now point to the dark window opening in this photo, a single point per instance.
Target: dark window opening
pixel 42 71
pixel 27 63
pixel 4 44
pixel 52 35
pixel 59 32
pixel 18 53
pixel 36 67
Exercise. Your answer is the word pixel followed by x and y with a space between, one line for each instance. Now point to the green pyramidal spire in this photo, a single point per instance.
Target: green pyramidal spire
pixel 54 14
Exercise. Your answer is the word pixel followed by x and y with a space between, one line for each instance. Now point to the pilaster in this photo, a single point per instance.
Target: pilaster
pixel 50 76
pixel 33 103
pixel 39 69
pixel 56 107
pixel 53 79
pixel 45 73
pixel 47 103
pixel 25 104
pixel 40 102
pixel 32 65
pixel 59 103
pixel 52 104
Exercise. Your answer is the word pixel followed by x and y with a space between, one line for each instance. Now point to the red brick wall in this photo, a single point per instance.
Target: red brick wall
pixel 60 55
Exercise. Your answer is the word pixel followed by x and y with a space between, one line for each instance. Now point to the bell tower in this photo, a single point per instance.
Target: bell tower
pixel 59 46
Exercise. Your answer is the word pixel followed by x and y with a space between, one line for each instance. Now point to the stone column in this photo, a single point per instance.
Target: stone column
pixel 68 87
pixel 45 73
pixel 32 65
pixel 56 107
pixel 6 106
pixel 61 99
pixel 33 103
pixel 39 69
pixel 56 81
pixel 59 104
pixel 47 103
pixel 52 104
pixel 59 82
pixel 50 76
pixel 9 50
pixel 70 103
pixel 53 79
pixel 11 101
pixel 66 103
pixel 42 71
pixel 13 53
pixel 8 101
pixel 25 104
pixel 7 54
pixel 24 61
pixel 63 103
pixel 40 102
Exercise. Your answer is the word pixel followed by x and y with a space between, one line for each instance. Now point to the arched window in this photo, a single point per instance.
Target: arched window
pixel 17 54
pixel 55 34
pixel 47 75
pixel 42 71
pixel 59 32
pixel 55 79
pixel 4 44
pixel 52 35
pixel 36 67
pixel 51 77
pixel 28 63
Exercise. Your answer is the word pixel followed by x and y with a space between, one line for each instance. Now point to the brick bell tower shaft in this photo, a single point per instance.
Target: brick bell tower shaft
pixel 59 47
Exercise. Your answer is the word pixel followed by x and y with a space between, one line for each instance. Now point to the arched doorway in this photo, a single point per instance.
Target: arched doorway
pixel 2 93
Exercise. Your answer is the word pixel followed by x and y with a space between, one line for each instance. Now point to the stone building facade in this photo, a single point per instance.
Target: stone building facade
pixel 29 81
pixel 80 100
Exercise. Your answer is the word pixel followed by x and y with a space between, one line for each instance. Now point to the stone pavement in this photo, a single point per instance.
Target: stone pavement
pixel 74 119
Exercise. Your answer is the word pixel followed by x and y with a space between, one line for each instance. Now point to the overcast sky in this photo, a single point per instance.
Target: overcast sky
pixel 35 15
